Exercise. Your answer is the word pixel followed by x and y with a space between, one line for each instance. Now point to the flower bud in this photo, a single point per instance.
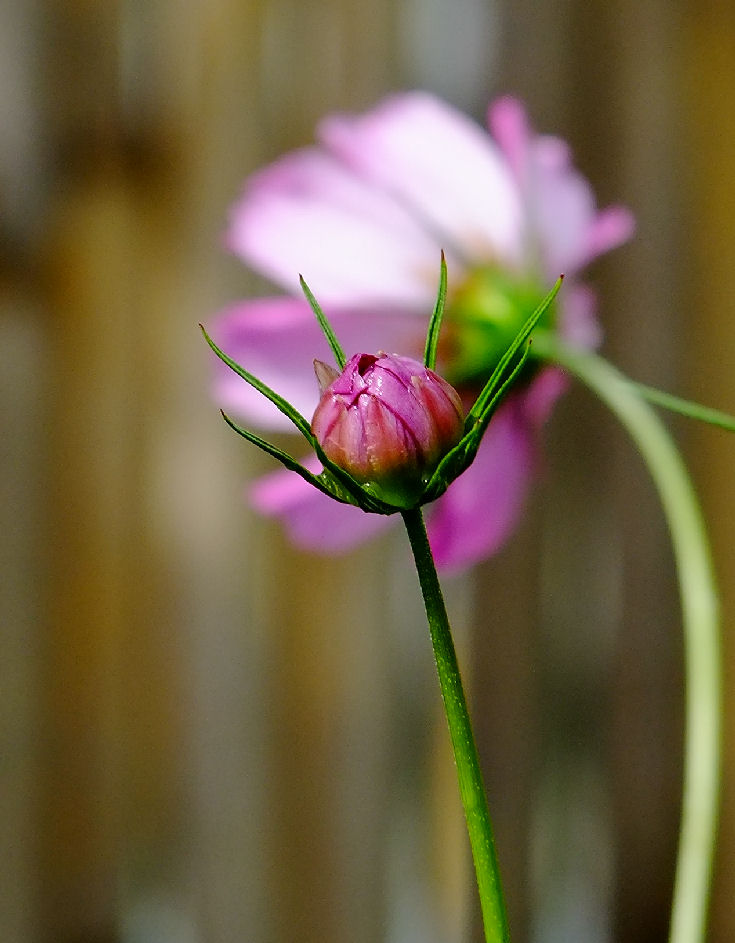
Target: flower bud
pixel 387 421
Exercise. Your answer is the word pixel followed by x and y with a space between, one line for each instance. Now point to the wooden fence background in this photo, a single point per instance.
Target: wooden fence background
pixel 207 737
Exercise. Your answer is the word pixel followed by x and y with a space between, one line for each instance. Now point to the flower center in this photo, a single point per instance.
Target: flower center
pixel 483 316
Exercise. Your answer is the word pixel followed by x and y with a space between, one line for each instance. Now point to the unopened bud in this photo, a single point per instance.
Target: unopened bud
pixel 387 421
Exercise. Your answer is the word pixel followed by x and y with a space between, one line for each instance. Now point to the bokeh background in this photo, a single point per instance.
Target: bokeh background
pixel 208 737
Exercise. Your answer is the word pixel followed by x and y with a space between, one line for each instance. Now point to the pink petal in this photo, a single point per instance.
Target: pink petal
pixel 562 208
pixel 539 400
pixel 508 123
pixel 611 228
pixel 354 244
pixel 564 228
pixel 481 508
pixel 578 325
pixel 278 339
pixel 313 520
pixel 439 164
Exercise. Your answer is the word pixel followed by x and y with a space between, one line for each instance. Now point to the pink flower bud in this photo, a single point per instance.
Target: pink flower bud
pixel 387 421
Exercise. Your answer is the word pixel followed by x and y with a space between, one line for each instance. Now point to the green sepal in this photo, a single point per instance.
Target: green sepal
pixel 332 481
pixel 361 498
pixel 481 423
pixel 432 335
pixel 463 454
pixel 498 378
pixel 284 458
pixel 450 467
pixel 327 330
pixel 285 407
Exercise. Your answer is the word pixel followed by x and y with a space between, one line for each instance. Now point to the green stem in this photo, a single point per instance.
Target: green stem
pixel 471 785
pixel 702 659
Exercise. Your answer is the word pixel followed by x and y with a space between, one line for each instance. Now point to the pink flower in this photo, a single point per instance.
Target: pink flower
pixel 363 215
pixel 388 421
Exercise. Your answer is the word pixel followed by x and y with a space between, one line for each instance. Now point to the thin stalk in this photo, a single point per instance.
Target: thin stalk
pixel 700 617
pixel 471 787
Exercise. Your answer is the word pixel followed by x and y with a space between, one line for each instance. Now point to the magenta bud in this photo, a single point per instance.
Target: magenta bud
pixel 387 421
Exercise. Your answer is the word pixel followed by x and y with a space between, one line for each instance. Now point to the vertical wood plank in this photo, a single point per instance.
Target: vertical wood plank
pixel 706 86
pixel 22 598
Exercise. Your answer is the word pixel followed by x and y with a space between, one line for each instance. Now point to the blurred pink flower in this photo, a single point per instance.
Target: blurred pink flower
pixel 363 215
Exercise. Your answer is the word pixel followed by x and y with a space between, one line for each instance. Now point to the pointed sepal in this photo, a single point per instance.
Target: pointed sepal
pixel 327 329
pixel 432 334
pixel 285 407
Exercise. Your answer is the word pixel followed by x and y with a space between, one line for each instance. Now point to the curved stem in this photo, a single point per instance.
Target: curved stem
pixel 702 660
pixel 471 786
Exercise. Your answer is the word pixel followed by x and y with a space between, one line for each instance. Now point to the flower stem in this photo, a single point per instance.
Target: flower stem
pixel 702 658
pixel 471 786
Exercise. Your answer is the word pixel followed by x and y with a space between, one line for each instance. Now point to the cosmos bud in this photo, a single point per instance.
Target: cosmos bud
pixel 387 421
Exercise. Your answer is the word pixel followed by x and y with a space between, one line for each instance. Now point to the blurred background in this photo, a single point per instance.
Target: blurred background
pixel 208 737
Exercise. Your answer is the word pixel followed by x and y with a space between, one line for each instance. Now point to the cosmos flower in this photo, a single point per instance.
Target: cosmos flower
pixel 363 215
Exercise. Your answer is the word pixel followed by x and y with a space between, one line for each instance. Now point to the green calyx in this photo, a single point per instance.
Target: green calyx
pixel 483 316
pixel 400 493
